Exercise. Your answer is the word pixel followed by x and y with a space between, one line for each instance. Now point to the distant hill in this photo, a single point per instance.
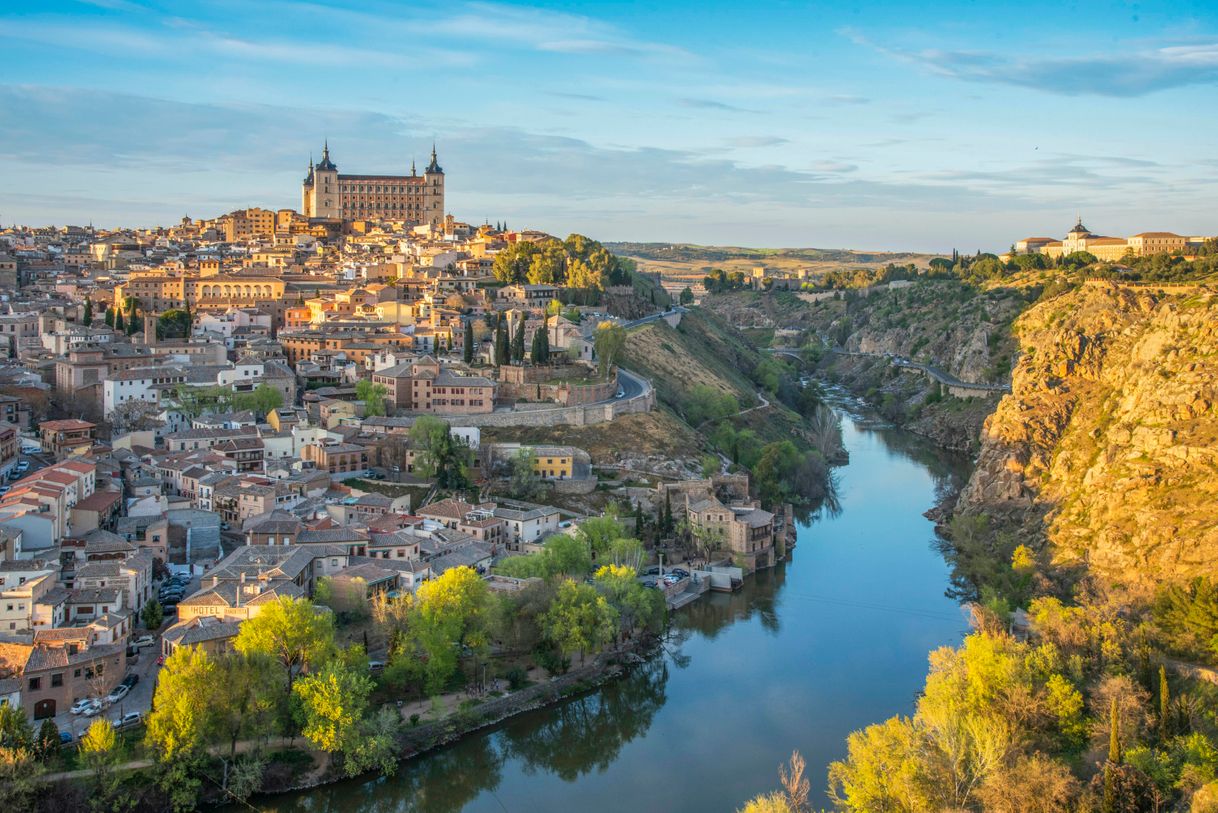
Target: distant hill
pixel 690 253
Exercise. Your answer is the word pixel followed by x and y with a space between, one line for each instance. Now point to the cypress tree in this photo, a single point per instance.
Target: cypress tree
pixel 501 343
pixel 518 341
pixel 131 324
pixel 87 319
pixel 119 325
pixel 1114 733
pixel 1164 703
pixel 469 343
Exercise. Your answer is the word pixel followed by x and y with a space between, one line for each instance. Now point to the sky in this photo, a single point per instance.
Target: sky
pixel 876 126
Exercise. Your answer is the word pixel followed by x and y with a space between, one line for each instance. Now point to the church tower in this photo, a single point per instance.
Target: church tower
pixel 433 192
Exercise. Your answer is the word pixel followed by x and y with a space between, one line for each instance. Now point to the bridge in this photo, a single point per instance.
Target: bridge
pixel 958 388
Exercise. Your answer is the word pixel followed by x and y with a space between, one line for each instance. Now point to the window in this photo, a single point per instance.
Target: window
pixel 35 684
pixel 56 680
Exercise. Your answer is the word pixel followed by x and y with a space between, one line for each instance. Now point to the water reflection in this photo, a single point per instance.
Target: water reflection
pixel 805 653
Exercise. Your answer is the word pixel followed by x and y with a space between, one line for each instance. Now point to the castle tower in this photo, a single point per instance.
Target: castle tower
pixel 433 192
pixel 150 323
pixel 320 191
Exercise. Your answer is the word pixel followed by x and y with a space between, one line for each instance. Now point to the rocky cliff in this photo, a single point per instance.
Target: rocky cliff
pixel 1107 444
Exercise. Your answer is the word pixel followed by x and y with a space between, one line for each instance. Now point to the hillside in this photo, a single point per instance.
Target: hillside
pixel 1106 446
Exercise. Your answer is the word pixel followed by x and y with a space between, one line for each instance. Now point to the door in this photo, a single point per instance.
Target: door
pixel 44 709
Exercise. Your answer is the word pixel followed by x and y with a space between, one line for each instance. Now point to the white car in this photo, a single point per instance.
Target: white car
pixel 93 709
pixel 23 465
pixel 119 692
pixel 130 718
pixel 143 641
pixel 80 705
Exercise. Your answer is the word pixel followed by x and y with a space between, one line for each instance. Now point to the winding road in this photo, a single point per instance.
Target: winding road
pixel 942 376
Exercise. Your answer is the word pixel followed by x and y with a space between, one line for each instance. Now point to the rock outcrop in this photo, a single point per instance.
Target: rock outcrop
pixel 1107 445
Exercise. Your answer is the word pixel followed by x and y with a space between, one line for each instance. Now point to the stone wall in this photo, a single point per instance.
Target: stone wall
pixel 579 415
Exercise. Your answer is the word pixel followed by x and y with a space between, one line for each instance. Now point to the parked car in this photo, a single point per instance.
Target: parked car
pixel 621 393
pixel 130 718
pixel 30 450
pixel 654 570
pixel 5 489
pixel 80 705
pixel 376 666
pixel 650 583
pixel 93 709
pixel 117 693
pixel 65 737
pixel 680 571
pixel 131 680
pixel 143 641
pixel 23 465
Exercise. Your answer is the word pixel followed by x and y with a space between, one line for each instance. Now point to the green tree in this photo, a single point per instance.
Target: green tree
pixel 153 615
pixel 687 295
pixel 119 324
pixel 244 698
pixel 47 742
pixel 523 481
pixel 638 607
pixel 109 317
pixel 100 752
pixel 373 395
pixel 177 726
pixel 517 348
pixel 291 631
pixel 539 353
pixel 502 345
pixel 263 400
pixel 1164 705
pixel 580 620
pixel 173 324
pixel 608 344
pixel 452 614
pixel 334 699
pixel 441 457
pixel 598 533
pixel 468 347
pixel 87 318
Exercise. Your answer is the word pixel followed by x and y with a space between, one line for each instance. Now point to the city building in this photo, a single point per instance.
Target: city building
pixel 415 199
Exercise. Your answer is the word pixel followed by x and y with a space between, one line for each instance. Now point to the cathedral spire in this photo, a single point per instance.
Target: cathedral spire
pixel 434 166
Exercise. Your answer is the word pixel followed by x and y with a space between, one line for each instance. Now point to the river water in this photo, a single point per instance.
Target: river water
pixel 828 642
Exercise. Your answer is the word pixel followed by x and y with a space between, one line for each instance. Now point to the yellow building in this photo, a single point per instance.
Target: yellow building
pixel 1110 249
pixel 554 462
pixel 415 199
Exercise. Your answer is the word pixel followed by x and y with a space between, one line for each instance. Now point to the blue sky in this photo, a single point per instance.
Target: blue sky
pixel 892 125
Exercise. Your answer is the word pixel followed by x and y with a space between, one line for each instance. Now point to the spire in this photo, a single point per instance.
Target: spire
pixel 326 163
pixel 434 166
pixel 412 170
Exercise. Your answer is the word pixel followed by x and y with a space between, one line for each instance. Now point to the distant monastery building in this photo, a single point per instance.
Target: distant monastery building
pixel 415 199
pixel 1108 248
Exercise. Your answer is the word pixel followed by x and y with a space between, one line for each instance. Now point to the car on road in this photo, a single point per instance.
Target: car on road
pixel 65 737
pixel 680 571
pixel 650 583
pixel 80 705
pixel 131 680
pixel 93 709
pixel 143 641
pixel 621 393
pixel 23 465
pixel 117 693
pixel 654 570
pixel 130 718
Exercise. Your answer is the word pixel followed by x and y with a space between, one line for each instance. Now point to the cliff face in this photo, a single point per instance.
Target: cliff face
pixel 1108 442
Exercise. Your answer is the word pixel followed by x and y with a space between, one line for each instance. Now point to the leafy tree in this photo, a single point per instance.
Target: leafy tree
pixel 608 344
pixel 580 620
pixel 687 295
pixel 100 752
pixel 637 607
pixel 1188 616
pixel 178 724
pixel 153 615
pixel 598 533
pixel 47 742
pixel 291 631
pixel 334 700
pixel 244 697
pixel 173 324
pixel 553 308
pixel 451 614
pixel 263 400
pixel 441 456
pixel 768 803
pixel 373 395
pixel 468 347
pixel 348 598
pixel 524 483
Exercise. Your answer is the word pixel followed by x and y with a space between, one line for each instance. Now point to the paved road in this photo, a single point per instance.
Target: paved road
pixel 138 699
pixel 653 317
pixel 631 385
pixel 942 376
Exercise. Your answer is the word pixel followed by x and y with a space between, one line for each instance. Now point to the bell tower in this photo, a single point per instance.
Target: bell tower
pixel 433 192
pixel 325 192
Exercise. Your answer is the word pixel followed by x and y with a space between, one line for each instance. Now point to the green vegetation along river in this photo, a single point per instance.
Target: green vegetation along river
pixel 833 640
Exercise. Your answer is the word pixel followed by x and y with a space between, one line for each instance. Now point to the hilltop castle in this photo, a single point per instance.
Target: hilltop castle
pixel 415 199
pixel 1080 238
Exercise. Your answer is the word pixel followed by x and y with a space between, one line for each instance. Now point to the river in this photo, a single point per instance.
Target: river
pixel 828 642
